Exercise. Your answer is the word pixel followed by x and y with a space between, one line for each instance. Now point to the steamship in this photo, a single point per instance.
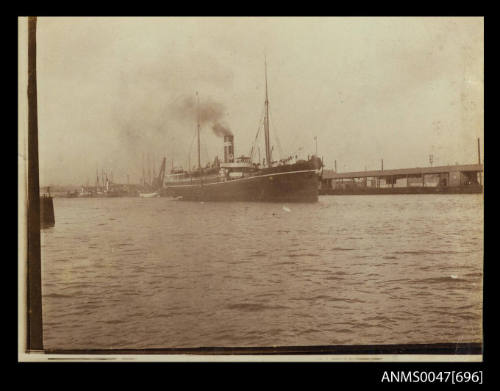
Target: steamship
pixel 241 179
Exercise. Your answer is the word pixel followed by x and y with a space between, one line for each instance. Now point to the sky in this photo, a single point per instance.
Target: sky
pixel 114 93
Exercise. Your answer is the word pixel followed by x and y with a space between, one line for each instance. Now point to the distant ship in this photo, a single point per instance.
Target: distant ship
pixel 107 188
pixel 286 180
pixel 84 192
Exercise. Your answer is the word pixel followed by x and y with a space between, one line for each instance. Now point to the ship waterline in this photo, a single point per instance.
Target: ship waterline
pixel 288 186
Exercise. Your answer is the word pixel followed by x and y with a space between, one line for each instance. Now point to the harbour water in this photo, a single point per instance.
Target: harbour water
pixel 150 273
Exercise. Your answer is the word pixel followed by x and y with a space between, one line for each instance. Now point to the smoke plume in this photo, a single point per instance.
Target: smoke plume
pixel 207 111
pixel 221 130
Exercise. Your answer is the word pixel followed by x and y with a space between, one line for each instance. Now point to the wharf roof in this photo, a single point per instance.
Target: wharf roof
pixel 331 174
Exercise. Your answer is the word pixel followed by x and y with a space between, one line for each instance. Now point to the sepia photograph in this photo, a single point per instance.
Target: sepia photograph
pixel 251 188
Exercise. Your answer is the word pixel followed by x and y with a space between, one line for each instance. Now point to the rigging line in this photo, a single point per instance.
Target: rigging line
pixel 252 151
pixel 275 132
pixel 261 120
pixel 261 125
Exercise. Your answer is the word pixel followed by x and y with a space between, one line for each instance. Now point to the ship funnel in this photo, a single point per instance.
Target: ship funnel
pixel 228 149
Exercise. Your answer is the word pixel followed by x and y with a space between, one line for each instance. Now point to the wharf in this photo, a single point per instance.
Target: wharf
pixel 457 179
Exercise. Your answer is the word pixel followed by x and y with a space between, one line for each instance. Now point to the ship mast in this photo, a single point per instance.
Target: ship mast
pixel 266 123
pixel 198 128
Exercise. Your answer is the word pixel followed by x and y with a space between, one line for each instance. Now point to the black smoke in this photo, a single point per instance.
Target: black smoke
pixel 207 111
pixel 220 130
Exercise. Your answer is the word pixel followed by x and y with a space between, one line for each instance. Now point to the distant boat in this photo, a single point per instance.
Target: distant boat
pixel 72 194
pixel 149 195
pixel 85 193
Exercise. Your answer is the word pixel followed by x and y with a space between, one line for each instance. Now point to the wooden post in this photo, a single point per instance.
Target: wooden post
pixel 478 152
pixel 34 296
pixel 479 161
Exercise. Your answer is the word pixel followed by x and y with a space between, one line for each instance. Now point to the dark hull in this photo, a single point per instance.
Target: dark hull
pixel 292 186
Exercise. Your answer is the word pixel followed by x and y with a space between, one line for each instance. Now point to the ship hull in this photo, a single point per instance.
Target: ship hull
pixel 149 195
pixel 293 186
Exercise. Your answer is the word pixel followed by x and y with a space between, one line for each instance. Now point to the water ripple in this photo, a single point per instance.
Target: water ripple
pixel 138 273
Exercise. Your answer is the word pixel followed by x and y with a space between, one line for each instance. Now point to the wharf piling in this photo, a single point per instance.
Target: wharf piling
pixel 47 218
